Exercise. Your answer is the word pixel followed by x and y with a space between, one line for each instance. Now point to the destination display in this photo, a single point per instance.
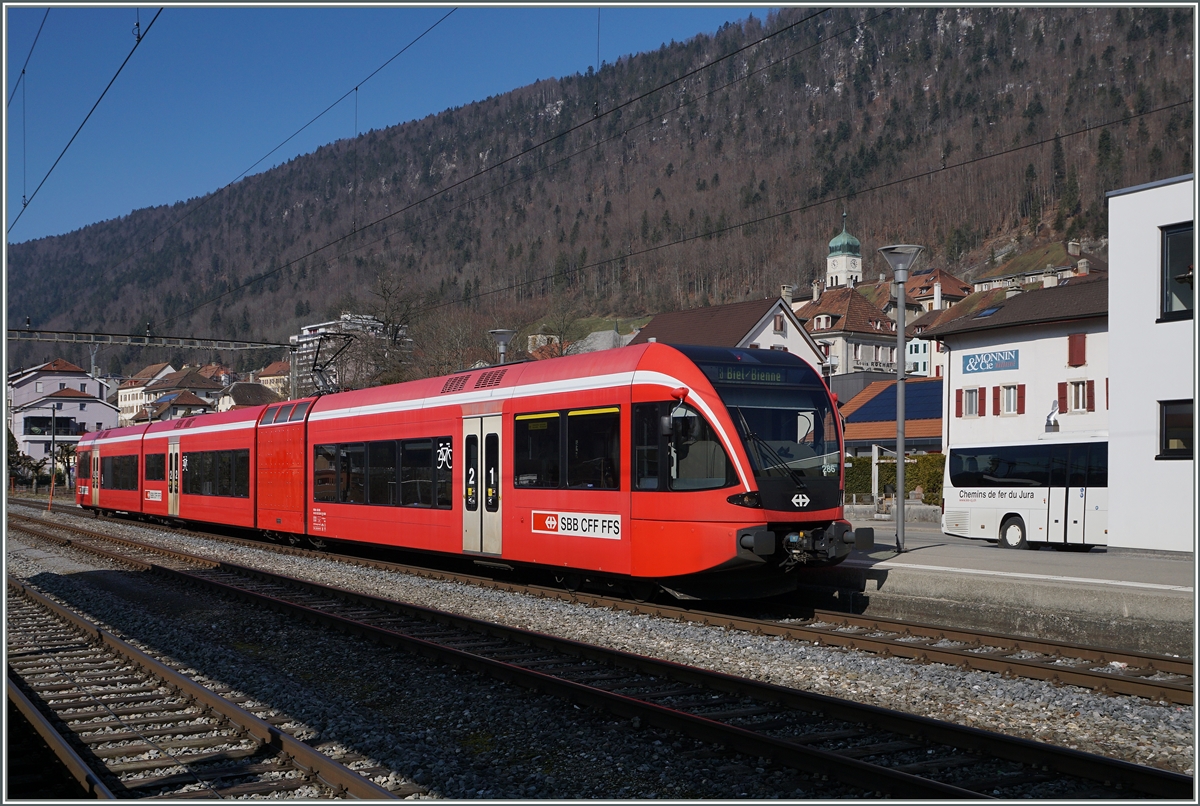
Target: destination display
pixel 752 375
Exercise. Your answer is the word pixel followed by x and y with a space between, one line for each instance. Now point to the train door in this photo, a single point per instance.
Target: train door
pixel 173 476
pixel 95 478
pixel 481 485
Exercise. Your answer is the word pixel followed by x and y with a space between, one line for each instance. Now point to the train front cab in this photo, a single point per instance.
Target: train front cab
pixel 114 477
pixel 739 471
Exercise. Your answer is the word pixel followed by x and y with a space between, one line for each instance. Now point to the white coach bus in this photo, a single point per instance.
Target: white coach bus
pixel 1029 494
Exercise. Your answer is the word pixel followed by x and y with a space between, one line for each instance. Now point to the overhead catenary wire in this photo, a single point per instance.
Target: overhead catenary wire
pixel 533 148
pixel 25 204
pixel 21 77
pixel 805 207
pixel 210 197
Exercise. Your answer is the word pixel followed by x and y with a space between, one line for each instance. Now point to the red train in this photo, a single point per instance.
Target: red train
pixel 708 472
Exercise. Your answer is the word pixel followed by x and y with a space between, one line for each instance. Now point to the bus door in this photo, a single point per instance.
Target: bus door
pixel 481 485
pixel 1095 523
pixel 173 475
pixel 95 478
pixel 1076 493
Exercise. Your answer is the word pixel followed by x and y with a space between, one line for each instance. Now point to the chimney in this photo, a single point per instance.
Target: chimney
pixel 937 295
pixel 1049 278
pixel 785 291
pixel 1073 248
pixel 1013 291
pixel 817 286
pixel 1083 267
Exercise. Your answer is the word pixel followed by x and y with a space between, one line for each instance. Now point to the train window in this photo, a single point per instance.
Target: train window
pixel 325 473
pixel 536 458
pixel 224 468
pixel 444 459
pixel 269 417
pixel 381 473
pixel 471 474
pixel 416 473
pixel 224 473
pixel 594 448
pixel 696 459
pixel 352 460
pixel 298 412
pixel 241 473
pixel 646 446
pixel 156 467
pixel 119 472
pixel 284 413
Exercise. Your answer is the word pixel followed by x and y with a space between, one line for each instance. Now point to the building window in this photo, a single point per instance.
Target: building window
pixel 1178 289
pixel 779 347
pixel 37 386
pixel 1077 396
pixel 780 324
pixel 970 402
pixel 1175 440
pixel 858 352
pixel 83 388
pixel 1008 399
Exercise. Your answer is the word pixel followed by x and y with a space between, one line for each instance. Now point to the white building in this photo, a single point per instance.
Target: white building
pixel 131 394
pixel 55 403
pixel 1011 366
pixel 1151 445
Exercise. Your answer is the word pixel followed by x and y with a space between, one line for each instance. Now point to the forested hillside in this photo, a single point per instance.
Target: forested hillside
pixel 658 183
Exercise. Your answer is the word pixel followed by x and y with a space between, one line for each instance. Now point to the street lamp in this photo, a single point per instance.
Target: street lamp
pixel 502 338
pixel 901 258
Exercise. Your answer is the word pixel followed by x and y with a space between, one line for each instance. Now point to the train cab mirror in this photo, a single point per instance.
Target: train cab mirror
pixel 665 425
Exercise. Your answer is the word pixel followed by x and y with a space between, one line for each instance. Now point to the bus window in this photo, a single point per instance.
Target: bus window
pixel 1077 466
pixel 1097 473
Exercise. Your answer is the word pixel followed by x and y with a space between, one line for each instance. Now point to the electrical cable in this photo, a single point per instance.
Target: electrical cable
pixel 806 207
pixel 25 205
pixel 520 154
pixel 319 115
pixel 22 75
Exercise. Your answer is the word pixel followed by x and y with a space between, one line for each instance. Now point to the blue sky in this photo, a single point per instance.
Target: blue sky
pixel 211 90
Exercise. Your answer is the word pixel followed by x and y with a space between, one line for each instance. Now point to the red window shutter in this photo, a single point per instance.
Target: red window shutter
pixel 995 400
pixel 1020 398
pixel 1077 349
pixel 1091 393
pixel 982 401
pixel 958 402
pixel 1062 396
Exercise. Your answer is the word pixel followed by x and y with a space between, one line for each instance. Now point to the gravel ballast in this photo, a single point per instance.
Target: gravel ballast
pixel 582 762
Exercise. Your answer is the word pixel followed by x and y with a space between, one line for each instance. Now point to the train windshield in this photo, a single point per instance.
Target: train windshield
pixel 785 417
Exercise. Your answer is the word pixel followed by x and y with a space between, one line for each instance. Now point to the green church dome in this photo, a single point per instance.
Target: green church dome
pixel 845 243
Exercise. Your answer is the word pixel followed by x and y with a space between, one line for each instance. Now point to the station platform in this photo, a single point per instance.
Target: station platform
pixel 1134 601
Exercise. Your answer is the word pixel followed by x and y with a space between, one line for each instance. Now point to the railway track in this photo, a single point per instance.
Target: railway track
pixel 127 726
pixel 1159 678
pixel 874 750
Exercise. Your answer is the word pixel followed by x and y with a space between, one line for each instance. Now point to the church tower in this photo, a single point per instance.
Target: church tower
pixel 843 267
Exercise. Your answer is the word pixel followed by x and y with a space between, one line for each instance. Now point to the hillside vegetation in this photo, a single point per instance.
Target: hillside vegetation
pixel 660 185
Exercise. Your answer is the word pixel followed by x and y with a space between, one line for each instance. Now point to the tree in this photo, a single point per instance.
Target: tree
pixel 560 323
pixel 65 458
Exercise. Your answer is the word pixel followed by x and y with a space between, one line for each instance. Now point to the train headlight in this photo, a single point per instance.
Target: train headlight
pixel 750 499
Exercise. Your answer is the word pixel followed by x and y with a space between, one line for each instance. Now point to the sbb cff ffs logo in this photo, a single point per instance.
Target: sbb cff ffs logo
pixel 578 524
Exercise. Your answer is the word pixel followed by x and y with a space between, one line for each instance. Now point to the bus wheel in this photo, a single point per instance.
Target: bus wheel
pixel 1012 534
